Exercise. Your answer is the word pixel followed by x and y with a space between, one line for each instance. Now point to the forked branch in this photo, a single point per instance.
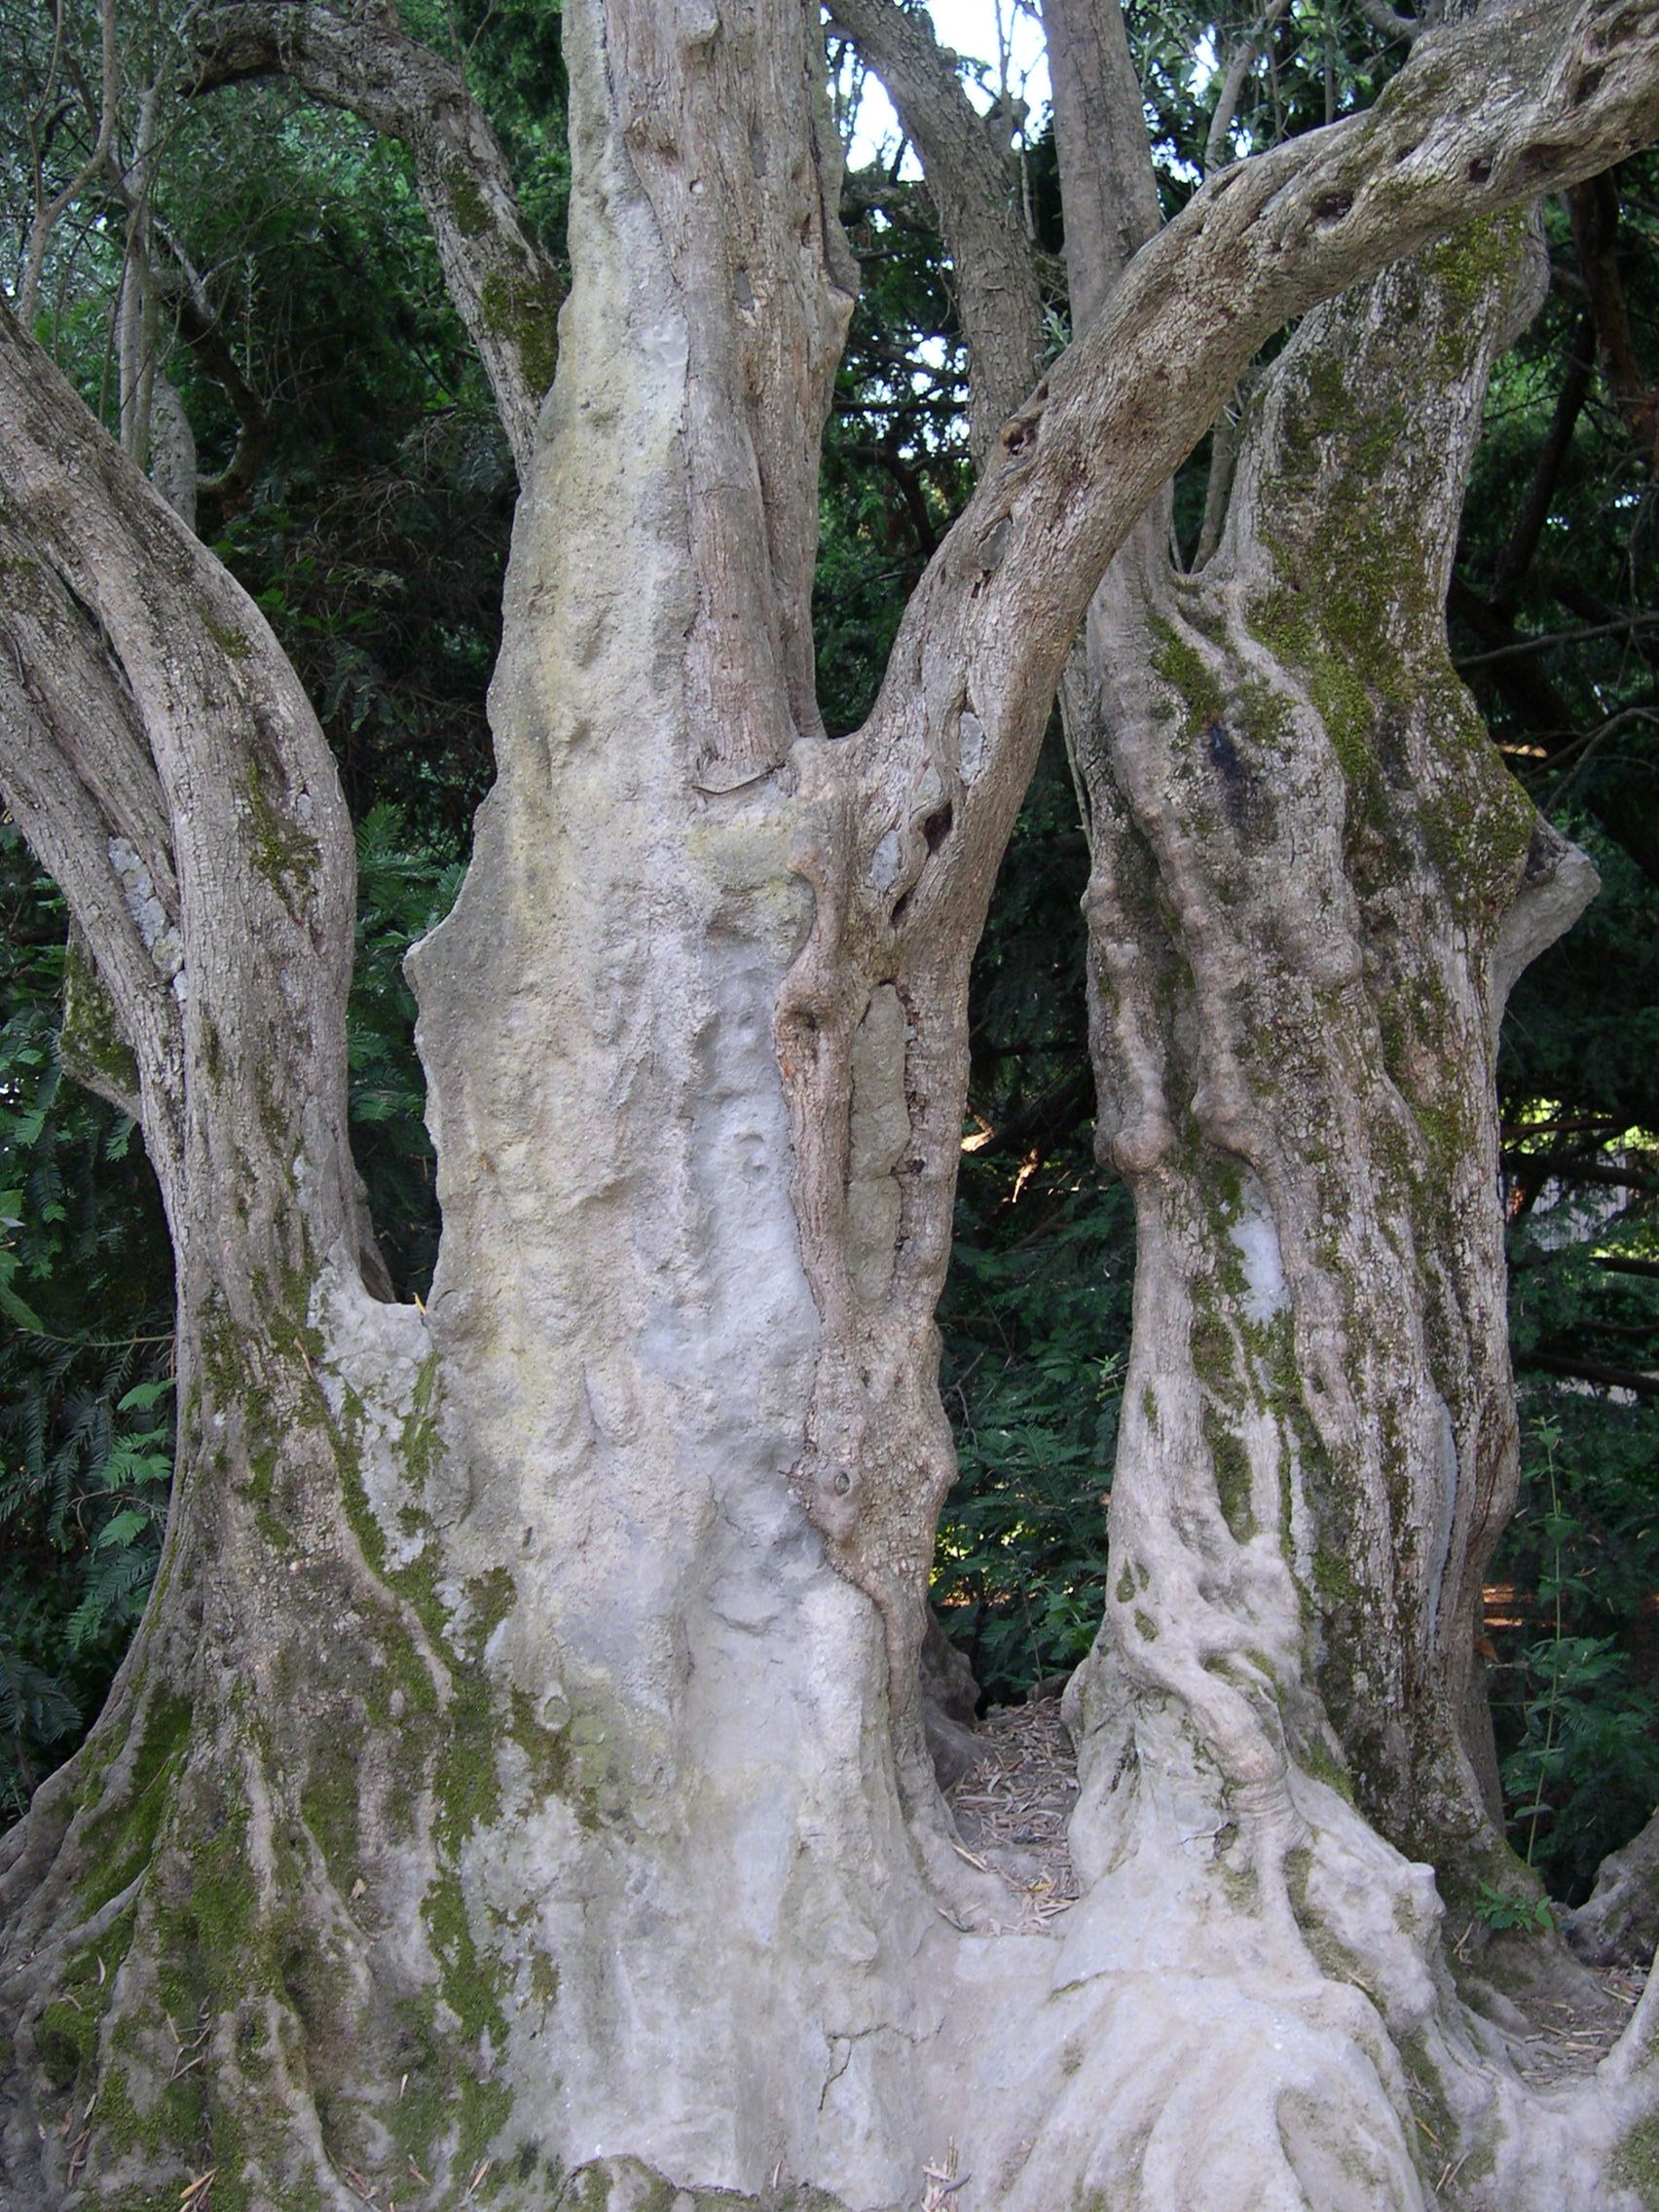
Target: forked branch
pixel 1482 117
pixel 48 210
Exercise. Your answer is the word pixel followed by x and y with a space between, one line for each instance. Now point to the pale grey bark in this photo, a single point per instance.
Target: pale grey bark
pixel 1151 631
pixel 1200 1647
pixel 627 1400
pixel 137 321
pixel 162 756
pixel 529 1692
pixel 1261 244
pixel 78 782
pixel 1398 413
pixel 1339 911
pixel 1108 190
pixel 1618 1923
pixel 173 452
pixel 136 658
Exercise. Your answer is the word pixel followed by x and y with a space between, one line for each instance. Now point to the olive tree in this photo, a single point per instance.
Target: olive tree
pixel 517 1790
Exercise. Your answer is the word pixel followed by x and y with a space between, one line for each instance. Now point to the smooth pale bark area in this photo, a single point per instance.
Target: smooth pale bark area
pixel 696 1875
pixel 516 1793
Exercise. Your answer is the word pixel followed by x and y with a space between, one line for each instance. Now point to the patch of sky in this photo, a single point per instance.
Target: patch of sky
pixel 1003 62
pixel 1000 45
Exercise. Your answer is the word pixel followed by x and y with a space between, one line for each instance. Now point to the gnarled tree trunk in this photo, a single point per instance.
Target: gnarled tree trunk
pixel 1315 882
pixel 516 1792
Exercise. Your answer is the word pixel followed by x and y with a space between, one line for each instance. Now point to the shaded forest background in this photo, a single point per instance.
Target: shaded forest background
pixel 357 484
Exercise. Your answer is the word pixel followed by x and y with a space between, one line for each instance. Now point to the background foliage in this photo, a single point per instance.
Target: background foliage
pixel 86 1293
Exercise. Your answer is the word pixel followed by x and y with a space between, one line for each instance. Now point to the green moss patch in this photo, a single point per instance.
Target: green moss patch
pixel 90 1043
pixel 283 853
pixel 522 307
pixel 119 1837
pixel 1636 2162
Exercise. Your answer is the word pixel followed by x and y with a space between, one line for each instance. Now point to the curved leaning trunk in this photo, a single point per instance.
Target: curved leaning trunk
pixel 173 1913
pixel 1313 885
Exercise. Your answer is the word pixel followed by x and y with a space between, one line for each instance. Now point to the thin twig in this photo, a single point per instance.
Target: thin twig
pixel 1519 648
pixel 47 214
pixel 1245 56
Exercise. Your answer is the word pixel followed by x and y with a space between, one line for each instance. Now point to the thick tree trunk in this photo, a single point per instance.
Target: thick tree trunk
pixel 179 1938
pixel 1314 884
pixel 699 1795
pixel 516 1791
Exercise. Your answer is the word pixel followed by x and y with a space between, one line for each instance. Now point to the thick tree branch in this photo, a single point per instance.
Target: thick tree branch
pixel 902 827
pixel 1109 194
pixel 1108 187
pixel 158 681
pixel 974 187
pixel 77 776
pixel 505 288
pixel 1392 24
pixel 1482 117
